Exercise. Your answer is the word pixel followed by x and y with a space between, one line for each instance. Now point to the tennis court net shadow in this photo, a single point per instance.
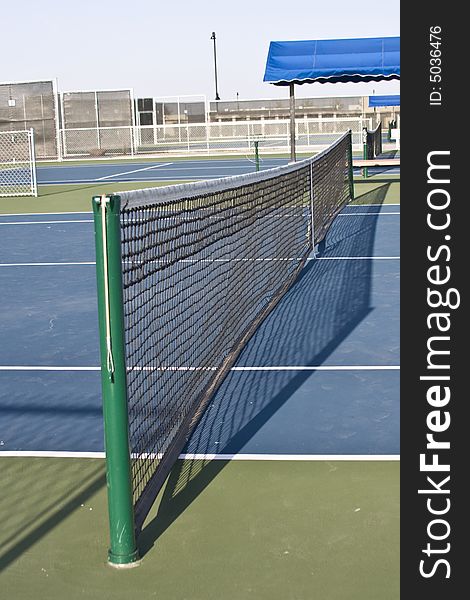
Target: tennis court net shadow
pixel 42 494
pixel 325 304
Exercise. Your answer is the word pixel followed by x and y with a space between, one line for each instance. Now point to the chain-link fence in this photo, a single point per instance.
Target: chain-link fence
pixel 17 164
pixel 32 104
pixel 236 136
pixel 95 109
pixel 96 123
pixel 98 141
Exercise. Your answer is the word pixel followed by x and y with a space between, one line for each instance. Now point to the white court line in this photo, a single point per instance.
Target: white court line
pixel 89 212
pixel 134 171
pixel 356 214
pixel 207 161
pixel 46 222
pixel 95 166
pixel 46 264
pixel 90 181
pixel 205 260
pixel 250 369
pixel 208 167
pixel 352 214
pixel 190 456
pixel 355 258
pixel 188 177
pixel 370 205
pixel 44 214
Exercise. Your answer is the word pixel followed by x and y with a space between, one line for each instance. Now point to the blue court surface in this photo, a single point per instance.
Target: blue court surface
pixel 320 376
pixel 163 170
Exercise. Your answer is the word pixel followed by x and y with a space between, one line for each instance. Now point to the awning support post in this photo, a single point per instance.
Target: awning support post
pixel 292 122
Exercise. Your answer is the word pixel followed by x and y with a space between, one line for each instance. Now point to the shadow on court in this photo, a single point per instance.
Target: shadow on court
pixel 41 496
pixel 325 304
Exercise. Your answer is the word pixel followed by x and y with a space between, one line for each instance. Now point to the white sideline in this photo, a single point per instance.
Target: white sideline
pixel 369 214
pixel 134 171
pixel 261 457
pixel 276 368
pixel 43 214
pixel 51 264
pixel 45 222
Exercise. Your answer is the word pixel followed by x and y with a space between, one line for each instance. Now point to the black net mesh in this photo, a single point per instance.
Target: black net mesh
pixel 374 142
pixel 203 265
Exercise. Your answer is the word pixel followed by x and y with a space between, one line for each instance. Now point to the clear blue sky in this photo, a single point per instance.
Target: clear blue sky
pixel 164 48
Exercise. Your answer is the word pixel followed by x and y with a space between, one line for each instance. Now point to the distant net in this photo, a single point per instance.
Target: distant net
pixel 374 142
pixel 17 164
pixel 203 264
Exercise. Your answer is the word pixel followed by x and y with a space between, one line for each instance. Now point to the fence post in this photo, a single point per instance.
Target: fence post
pixel 351 168
pixel 133 131
pixel 32 162
pixel 123 549
pixel 364 151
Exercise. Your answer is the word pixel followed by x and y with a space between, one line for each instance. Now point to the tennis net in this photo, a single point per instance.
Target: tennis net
pixel 202 265
pixel 374 142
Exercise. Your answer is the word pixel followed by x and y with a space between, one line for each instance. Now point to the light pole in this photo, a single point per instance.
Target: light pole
pixel 215 67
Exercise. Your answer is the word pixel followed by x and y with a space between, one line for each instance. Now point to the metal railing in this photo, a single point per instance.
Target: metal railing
pixel 234 136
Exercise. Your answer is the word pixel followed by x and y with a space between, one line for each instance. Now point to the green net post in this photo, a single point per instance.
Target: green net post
pixel 257 155
pixel 123 549
pixel 364 150
pixel 351 169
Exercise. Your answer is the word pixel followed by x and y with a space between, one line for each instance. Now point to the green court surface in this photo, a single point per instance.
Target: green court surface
pixel 281 530
pixel 68 197
pixel 378 189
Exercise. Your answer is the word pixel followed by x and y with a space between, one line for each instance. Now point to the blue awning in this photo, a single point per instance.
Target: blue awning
pixel 333 61
pixel 384 101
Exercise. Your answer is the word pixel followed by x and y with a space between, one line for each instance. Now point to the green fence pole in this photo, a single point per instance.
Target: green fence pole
pixel 364 150
pixel 123 549
pixel 351 169
pixel 257 155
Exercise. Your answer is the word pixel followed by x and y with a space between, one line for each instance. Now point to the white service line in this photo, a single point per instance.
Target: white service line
pixel 191 456
pixel 91 220
pixel 250 369
pixel 89 212
pixel 134 171
pixel 212 167
pixel 204 260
